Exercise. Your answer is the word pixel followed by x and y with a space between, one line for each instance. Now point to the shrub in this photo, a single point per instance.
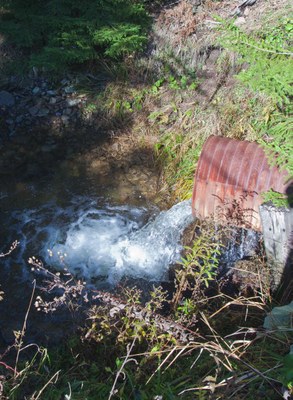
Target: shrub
pixel 57 34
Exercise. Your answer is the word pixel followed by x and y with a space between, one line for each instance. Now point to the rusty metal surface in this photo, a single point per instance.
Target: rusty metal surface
pixel 228 181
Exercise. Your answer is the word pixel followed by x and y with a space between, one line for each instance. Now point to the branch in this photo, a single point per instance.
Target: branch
pixel 12 247
pixel 266 50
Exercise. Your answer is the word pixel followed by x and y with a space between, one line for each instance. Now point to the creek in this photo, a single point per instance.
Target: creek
pixel 75 221
pixel 78 220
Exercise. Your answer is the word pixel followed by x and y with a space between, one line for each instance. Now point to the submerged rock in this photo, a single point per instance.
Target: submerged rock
pixel 43 112
pixel 36 90
pixel 6 99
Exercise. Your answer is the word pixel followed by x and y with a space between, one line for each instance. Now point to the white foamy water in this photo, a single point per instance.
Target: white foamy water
pixel 243 243
pixel 104 241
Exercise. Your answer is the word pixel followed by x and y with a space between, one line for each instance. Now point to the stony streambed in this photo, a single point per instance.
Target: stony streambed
pixel 47 127
pixel 41 119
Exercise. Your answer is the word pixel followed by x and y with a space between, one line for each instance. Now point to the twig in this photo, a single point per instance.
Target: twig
pixel 252 378
pixel 175 348
pixel 241 301
pixel 12 247
pixel 8 367
pixel 267 50
pixel 68 396
pixel 208 387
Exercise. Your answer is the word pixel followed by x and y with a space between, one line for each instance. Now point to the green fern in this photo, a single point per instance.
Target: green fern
pixel 59 33
pixel 120 39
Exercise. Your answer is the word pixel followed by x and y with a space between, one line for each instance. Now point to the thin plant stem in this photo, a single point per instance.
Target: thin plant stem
pixel 48 383
pixel 24 326
pixel 125 361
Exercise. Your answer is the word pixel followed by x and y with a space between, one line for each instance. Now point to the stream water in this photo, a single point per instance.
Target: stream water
pixel 77 222
pixel 99 240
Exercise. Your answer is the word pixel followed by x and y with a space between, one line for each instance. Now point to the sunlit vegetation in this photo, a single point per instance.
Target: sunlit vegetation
pixel 204 337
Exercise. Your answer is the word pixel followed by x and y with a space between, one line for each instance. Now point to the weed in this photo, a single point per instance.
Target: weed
pixel 90 108
pixel 287 372
pixel 198 268
pixel 278 199
pixel 143 349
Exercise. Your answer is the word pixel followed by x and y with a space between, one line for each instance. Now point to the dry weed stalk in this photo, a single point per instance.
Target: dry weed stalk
pixel 120 372
pixel 52 380
pixel 223 352
pixel 73 291
pixel 20 335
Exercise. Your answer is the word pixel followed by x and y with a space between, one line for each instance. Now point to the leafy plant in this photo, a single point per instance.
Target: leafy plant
pixel 278 199
pixel 198 266
pixel 157 85
pixel 89 108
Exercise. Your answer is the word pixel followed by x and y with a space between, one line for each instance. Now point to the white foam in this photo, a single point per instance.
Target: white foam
pixel 98 240
pixel 113 244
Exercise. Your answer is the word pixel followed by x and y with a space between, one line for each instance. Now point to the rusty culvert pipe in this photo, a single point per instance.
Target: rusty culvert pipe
pixel 229 179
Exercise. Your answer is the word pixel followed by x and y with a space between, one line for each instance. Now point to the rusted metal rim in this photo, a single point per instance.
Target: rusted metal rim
pixel 229 179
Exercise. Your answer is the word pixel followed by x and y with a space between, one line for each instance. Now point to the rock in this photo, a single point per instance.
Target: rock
pixel 73 102
pixel 11 131
pixel 35 72
pixel 51 92
pixel 43 112
pixel 195 3
pixel 67 111
pixel 64 81
pixel 19 119
pixel 246 12
pixel 65 119
pixel 47 148
pixel 6 99
pixel 69 90
pixel 240 21
pixel 115 147
pixel 33 110
pixel 246 3
pixel 53 100
pixel 36 90
pixel 33 170
pixel 100 167
pixel 279 318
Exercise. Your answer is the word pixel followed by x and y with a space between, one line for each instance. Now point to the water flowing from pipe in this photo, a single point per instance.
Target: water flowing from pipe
pixel 103 241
